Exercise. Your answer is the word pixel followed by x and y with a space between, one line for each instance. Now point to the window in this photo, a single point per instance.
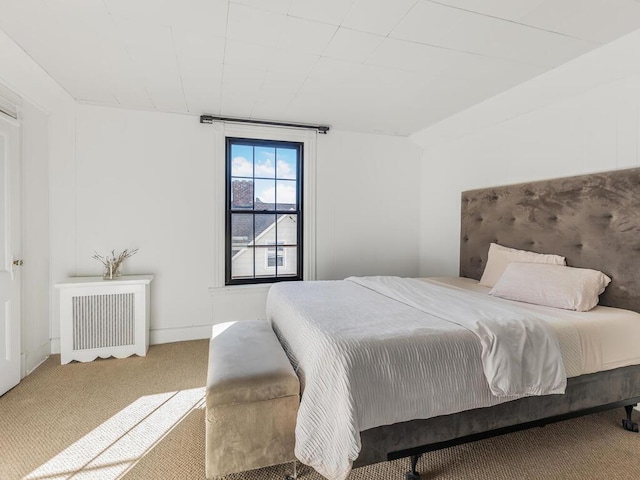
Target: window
pixel 263 211
pixel 275 259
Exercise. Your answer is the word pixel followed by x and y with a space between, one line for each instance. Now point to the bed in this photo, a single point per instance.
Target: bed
pixel 592 220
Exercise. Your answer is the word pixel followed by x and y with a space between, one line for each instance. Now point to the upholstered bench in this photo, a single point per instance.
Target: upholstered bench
pixel 252 399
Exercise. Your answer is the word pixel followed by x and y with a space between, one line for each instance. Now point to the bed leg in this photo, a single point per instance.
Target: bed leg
pixel 413 474
pixel 627 423
pixel 295 472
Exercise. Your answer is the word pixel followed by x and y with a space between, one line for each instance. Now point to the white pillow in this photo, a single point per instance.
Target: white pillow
pixel 551 285
pixel 500 257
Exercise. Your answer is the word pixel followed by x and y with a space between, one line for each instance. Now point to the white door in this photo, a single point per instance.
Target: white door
pixel 10 250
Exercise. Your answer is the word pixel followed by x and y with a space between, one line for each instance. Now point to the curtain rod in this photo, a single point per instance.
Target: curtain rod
pixel 210 119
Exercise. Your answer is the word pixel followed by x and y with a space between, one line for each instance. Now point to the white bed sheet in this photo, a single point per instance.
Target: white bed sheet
pixel 609 337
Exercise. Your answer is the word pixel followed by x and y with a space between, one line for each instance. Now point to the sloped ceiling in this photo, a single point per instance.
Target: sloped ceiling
pixel 392 66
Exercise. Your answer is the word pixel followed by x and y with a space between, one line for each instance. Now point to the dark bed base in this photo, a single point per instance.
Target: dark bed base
pixel 585 394
pixel 417 452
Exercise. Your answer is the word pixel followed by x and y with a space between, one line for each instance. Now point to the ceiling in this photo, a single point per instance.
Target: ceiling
pixel 392 66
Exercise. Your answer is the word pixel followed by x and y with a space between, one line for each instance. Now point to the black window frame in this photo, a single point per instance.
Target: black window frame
pixel 229 210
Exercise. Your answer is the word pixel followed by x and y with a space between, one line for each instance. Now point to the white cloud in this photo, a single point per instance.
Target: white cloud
pixel 285 170
pixel 286 194
pixel 265 168
pixel 241 167
pixel 267 195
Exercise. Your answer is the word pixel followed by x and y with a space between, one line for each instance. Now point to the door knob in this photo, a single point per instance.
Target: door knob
pixel 18 263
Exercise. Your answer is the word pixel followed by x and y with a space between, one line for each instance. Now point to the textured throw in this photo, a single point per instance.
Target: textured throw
pixel 520 351
pixel 365 359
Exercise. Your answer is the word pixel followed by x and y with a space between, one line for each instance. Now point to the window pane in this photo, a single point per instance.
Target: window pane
pixel 265 194
pixel 242 245
pixel 287 160
pixel 265 162
pixel 241 193
pixel 287 230
pixel 262 262
pixel 241 160
pixel 290 262
pixel 270 259
pixel 265 229
pixel 241 231
pixel 275 257
pixel 242 264
pixel 286 195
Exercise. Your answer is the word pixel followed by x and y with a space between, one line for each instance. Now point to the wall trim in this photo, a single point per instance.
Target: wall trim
pixel 179 334
pixel 163 335
pixel 55 345
pixel 36 358
pixel 217 292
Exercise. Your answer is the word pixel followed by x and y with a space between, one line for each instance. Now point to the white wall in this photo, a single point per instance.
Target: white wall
pixel 582 117
pixel 48 132
pixel 368 205
pixel 147 180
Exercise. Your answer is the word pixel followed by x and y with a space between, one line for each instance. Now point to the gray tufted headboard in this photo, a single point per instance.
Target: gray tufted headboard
pixel 593 220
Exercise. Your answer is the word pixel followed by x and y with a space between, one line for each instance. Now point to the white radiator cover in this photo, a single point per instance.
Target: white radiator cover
pixel 104 318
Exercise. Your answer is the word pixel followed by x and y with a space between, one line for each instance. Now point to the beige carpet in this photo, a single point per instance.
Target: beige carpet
pixel 143 418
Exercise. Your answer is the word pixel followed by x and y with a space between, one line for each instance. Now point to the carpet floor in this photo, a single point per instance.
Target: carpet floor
pixel 143 418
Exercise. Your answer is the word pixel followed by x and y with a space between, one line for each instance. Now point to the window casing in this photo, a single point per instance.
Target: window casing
pixel 264 224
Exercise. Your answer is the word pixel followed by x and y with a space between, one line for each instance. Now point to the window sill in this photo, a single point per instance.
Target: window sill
pixel 239 289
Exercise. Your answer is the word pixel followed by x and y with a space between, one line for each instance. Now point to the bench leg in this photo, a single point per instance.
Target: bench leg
pixel 295 472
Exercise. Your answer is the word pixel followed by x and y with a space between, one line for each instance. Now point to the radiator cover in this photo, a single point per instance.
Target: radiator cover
pixel 104 318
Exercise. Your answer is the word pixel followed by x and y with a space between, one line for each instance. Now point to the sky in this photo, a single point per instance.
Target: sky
pixel 275 171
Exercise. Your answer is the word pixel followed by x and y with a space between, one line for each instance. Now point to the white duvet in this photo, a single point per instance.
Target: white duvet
pixel 381 350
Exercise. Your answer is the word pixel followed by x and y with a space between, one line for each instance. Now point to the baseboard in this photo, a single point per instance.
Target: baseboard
pixel 163 335
pixel 55 345
pixel 37 357
pixel 179 334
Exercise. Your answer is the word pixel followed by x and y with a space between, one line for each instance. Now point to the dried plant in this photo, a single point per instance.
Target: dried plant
pixel 112 263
